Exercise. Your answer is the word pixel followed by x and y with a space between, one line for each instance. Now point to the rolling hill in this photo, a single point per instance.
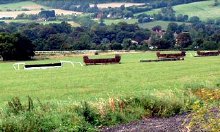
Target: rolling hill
pixel 204 10
pixel 29 7
pixel 163 24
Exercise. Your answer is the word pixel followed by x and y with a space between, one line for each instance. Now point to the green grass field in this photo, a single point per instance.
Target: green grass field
pixel 20 5
pixel 115 21
pixel 163 24
pixel 205 10
pixel 72 23
pixel 118 93
pixel 91 83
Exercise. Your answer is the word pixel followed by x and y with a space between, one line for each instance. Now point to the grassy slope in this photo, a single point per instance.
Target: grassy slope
pixel 18 5
pixel 74 24
pixel 203 9
pixel 69 85
pixel 115 21
pixel 163 24
pixel 148 25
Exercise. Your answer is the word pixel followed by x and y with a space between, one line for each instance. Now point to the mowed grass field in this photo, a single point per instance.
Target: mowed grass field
pixel 116 21
pixel 67 85
pixel 163 24
pixel 72 23
pixel 204 10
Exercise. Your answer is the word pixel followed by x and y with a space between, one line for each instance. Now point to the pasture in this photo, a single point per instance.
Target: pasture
pixel 21 5
pixel 72 23
pixel 68 85
pixel 204 10
pixel 116 21
pixel 163 24
pixel 14 9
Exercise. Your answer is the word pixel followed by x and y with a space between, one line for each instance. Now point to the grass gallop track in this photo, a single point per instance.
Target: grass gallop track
pixel 90 83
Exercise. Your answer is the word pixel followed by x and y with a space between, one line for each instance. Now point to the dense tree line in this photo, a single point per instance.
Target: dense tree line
pixel 21 39
pixel 195 36
pixel 64 37
pixel 15 47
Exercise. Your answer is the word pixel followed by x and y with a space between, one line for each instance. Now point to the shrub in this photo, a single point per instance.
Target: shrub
pixel 205 114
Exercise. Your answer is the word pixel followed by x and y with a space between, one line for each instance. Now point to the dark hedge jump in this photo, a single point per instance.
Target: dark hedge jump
pixel 88 61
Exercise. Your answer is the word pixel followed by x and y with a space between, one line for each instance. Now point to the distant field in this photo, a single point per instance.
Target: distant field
pixel 16 13
pixel 148 25
pixel 66 85
pixel 115 21
pixel 203 9
pixel 21 5
pixel 74 24
pixel 114 5
pixel 16 9
pixel 163 24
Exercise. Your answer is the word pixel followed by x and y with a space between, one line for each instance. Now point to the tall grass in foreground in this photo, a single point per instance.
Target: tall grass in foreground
pixel 202 105
pixel 86 116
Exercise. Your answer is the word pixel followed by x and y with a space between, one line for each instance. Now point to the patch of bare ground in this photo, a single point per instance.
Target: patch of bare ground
pixel 202 119
pixel 172 124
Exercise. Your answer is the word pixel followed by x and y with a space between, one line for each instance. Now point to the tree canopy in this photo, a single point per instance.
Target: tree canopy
pixel 15 47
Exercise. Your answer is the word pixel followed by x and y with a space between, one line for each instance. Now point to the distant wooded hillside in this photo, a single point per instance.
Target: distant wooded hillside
pixel 102 1
pixel 84 6
pixel 133 1
pixel 10 1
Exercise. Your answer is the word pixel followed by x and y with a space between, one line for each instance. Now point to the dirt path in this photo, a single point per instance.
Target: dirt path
pixel 172 124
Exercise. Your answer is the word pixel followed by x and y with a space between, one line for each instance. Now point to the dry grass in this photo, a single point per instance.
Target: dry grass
pixel 33 7
pixel 114 5
pixel 65 12
pixel 16 9
pixel 14 14
pixel 208 94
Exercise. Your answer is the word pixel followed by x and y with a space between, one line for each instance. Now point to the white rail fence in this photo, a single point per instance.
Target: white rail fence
pixel 80 51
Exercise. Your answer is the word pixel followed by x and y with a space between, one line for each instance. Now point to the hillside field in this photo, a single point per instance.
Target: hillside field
pixel 116 21
pixel 116 4
pixel 14 9
pixel 72 23
pixel 21 5
pixel 67 85
pixel 163 24
pixel 205 10
pixel 148 25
